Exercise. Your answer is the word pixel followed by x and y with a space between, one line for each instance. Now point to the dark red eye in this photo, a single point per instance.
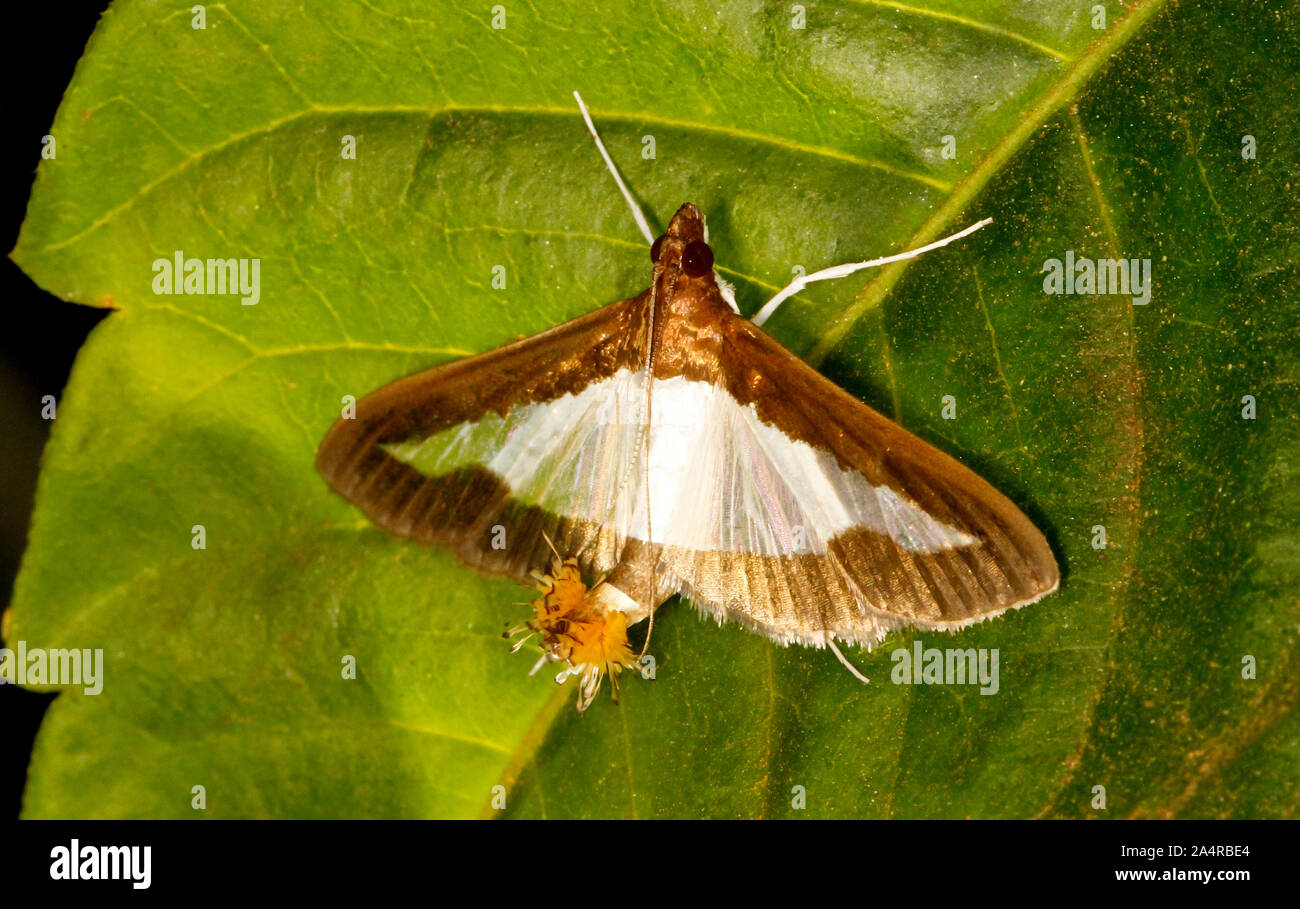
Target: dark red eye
pixel 697 259
pixel 655 247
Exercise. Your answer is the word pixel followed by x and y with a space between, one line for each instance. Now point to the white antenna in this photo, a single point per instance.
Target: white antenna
pixel 840 271
pixel 830 642
pixel 609 163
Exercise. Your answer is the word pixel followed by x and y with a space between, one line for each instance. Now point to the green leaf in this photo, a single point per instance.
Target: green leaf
pixel 804 146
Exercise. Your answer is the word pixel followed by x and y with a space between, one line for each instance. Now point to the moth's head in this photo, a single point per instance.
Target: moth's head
pixel 685 244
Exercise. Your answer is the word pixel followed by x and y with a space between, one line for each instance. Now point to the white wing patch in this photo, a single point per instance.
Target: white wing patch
pixel 577 455
pixel 720 479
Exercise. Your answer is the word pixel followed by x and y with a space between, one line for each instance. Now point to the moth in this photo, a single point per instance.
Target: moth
pixel 665 444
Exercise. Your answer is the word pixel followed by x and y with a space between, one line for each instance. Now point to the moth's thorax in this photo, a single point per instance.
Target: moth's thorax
pixel 689 331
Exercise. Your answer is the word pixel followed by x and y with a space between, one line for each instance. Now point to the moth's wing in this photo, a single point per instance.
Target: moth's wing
pixel 491 454
pixel 855 528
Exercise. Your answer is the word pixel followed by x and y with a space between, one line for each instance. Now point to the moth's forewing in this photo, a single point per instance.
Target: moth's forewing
pixel 422 456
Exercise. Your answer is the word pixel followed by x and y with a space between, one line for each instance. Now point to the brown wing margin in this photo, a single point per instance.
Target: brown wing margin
pixel 459 509
pixel 866 583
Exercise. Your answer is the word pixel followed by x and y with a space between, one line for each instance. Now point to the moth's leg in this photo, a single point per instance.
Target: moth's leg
pixel 627 587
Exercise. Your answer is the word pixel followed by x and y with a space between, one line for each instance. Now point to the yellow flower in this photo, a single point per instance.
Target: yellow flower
pixel 592 642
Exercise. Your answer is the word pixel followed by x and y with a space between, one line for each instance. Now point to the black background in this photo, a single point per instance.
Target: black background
pixel 41 333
